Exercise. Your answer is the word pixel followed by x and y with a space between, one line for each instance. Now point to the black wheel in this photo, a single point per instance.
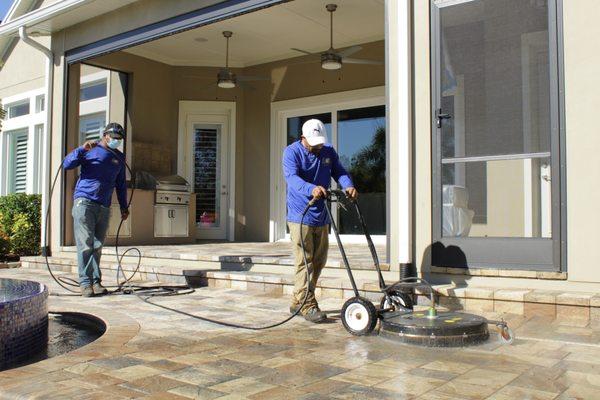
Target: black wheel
pixel 359 316
pixel 397 301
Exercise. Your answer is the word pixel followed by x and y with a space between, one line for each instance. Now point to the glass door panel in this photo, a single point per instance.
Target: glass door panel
pixel 361 147
pixel 207 176
pixel 494 118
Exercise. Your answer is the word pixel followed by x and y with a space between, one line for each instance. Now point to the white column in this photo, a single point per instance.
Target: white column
pixel 399 130
pixel 3 163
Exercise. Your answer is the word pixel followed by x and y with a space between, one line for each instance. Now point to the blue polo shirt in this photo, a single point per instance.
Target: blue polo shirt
pixel 304 171
pixel 101 172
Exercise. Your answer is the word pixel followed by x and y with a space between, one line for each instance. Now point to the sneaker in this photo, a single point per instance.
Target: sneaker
pixel 99 289
pixel 294 309
pixel 86 291
pixel 315 315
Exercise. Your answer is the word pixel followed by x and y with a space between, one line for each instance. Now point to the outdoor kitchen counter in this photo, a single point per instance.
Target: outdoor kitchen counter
pixel 139 228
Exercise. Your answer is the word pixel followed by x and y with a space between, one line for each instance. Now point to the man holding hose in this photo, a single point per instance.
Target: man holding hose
pixel 102 170
pixel 308 166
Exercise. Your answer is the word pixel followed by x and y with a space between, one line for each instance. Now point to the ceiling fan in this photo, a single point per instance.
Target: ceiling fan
pixel 332 59
pixel 226 79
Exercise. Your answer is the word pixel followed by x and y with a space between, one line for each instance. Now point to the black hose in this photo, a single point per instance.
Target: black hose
pixel 249 327
pixel 65 282
pixel 145 293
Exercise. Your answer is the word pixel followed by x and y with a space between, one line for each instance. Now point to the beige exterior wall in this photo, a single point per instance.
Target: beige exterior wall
pixel 582 96
pixel 422 139
pixel 24 69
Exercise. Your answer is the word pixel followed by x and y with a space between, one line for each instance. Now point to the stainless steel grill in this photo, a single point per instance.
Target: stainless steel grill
pixel 171 208
pixel 172 189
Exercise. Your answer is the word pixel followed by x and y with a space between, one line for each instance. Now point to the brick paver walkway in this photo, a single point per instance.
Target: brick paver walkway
pixel 151 353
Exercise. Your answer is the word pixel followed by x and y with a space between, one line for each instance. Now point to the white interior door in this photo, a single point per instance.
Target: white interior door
pixel 210 177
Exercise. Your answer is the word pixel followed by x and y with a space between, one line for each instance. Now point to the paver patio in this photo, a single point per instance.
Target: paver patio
pixel 151 353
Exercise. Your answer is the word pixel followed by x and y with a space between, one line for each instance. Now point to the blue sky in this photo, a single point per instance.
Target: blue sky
pixel 4 6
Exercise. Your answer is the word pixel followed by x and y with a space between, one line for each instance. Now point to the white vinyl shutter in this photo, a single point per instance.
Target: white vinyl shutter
pixel 19 162
pixel 90 127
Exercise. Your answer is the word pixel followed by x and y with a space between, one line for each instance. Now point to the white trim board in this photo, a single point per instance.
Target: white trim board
pixel 209 112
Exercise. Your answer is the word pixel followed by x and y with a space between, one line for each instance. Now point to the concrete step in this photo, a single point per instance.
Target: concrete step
pixel 216 273
pixel 359 256
pixel 569 308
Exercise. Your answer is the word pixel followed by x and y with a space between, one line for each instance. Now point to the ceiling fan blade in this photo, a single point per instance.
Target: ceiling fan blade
pixel 311 61
pixel 349 51
pixel 361 61
pixel 303 51
pixel 247 78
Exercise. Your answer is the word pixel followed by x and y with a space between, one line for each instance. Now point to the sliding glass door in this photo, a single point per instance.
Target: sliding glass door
pixel 357 132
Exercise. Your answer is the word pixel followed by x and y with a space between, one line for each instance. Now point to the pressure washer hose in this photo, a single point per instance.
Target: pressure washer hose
pixel 146 293
pixel 66 282
pixel 250 327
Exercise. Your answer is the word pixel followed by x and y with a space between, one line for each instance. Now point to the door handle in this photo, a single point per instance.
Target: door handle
pixel 441 116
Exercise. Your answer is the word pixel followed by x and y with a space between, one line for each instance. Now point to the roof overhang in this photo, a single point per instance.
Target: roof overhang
pixel 59 15
pixel 52 18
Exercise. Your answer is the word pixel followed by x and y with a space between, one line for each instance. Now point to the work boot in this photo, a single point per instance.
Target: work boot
pixel 99 289
pixel 294 308
pixel 86 291
pixel 315 315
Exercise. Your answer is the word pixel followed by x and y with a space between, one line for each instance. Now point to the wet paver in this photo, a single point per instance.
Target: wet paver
pixel 153 353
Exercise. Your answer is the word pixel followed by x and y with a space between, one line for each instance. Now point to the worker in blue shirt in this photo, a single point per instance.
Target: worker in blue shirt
pixel 308 166
pixel 102 170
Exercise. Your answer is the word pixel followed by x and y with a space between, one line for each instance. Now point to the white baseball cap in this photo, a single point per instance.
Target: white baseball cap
pixel 314 132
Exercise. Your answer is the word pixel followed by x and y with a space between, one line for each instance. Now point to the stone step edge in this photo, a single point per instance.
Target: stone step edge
pixel 245 260
pixel 239 276
pixel 68 265
pixel 443 293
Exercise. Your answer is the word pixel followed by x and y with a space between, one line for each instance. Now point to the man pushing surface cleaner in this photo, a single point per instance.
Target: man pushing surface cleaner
pixel 308 166
pixel 102 170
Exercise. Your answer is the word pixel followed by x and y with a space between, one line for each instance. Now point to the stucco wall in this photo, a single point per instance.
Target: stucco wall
pixel 422 138
pixel 24 69
pixel 582 96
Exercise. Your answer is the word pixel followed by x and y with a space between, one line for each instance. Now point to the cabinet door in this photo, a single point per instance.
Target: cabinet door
pixel 179 221
pixel 162 221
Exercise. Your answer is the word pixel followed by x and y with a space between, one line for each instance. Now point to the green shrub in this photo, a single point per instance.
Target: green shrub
pixel 20 221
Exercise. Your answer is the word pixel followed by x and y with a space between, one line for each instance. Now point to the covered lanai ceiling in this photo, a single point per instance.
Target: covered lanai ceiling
pixel 268 35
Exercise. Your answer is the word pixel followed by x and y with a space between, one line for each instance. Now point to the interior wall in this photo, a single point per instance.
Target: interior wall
pixel 153 116
pixel 156 89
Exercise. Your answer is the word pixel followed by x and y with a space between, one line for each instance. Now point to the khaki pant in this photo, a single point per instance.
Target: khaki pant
pixel 316 244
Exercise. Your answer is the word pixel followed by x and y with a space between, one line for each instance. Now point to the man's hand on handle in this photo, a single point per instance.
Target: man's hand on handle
pixel 352 193
pixel 319 192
